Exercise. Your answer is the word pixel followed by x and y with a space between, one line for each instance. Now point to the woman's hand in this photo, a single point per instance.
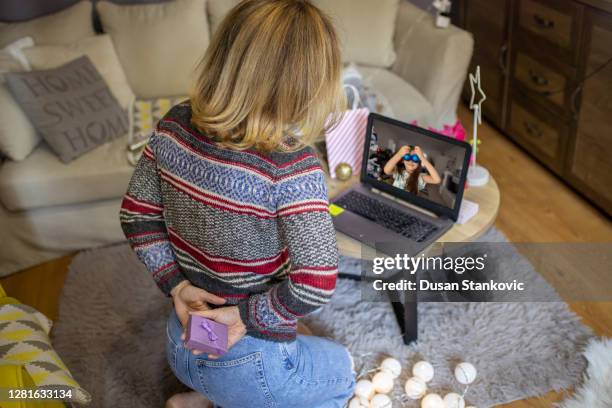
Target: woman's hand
pixel 229 316
pixel 188 298
pixel 404 150
pixel 419 152
pixel 395 159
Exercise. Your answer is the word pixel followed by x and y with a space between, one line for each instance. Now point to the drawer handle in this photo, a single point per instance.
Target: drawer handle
pixel 532 129
pixel 543 22
pixel 574 101
pixel 503 59
pixel 537 79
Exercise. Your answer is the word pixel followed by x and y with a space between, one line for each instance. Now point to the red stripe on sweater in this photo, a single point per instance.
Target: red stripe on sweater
pixel 303 203
pixel 284 305
pixel 274 300
pixel 148 153
pixel 278 335
pixel 231 296
pixel 163 268
pixel 223 266
pixel 307 210
pixel 315 206
pixel 324 282
pixel 133 204
pixel 169 275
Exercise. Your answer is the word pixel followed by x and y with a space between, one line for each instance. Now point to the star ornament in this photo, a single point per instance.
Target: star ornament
pixel 475 86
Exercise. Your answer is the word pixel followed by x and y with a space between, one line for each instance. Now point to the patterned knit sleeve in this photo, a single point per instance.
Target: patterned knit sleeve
pixel 142 221
pixel 306 229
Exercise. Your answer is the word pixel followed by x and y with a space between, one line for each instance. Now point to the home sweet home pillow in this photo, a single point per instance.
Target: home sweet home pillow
pixel 71 106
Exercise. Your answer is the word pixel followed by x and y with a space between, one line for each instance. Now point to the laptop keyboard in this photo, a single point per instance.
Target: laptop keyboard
pixel 389 217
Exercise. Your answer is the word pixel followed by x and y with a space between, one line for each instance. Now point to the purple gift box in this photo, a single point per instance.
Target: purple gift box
pixel 206 335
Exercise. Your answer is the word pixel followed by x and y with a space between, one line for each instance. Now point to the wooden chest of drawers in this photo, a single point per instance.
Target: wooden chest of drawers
pixel 547 67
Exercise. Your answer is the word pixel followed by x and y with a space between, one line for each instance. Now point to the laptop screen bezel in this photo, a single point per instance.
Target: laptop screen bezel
pixel 424 203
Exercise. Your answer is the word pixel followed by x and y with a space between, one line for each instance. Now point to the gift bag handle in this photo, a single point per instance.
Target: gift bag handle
pixel 356 96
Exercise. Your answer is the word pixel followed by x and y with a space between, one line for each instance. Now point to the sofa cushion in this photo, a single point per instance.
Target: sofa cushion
pixel 36 236
pixel 406 102
pixel 159 45
pixel 365 28
pixel 17 135
pixel 62 27
pixel 42 180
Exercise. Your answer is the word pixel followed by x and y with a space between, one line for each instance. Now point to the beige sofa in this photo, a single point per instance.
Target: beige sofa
pixel 50 208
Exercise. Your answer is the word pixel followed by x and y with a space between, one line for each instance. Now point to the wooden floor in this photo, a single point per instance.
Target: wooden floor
pixel 536 207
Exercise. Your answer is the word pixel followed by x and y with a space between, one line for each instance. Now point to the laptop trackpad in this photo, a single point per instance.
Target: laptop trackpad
pixel 374 235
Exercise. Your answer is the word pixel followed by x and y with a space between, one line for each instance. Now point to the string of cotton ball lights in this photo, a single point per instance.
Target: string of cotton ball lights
pixel 374 392
pixel 465 374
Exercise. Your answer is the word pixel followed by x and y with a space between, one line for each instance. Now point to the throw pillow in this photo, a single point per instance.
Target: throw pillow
pixel 159 45
pixel 17 135
pixel 24 340
pixel 58 28
pixel 144 115
pixel 71 106
pixel 365 27
pixel 100 51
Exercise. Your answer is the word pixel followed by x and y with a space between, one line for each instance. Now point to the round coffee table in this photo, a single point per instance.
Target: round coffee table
pixel 487 197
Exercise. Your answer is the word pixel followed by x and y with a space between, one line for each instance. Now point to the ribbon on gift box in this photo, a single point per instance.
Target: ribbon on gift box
pixel 345 141
pixel 211 334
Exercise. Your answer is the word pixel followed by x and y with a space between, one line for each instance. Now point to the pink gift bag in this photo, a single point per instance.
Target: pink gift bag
pixel 345 141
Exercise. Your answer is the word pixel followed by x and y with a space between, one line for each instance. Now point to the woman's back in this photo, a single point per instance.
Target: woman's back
pixel 234 220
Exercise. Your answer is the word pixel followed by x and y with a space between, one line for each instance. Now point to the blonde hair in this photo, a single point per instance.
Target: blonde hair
pixel 272 70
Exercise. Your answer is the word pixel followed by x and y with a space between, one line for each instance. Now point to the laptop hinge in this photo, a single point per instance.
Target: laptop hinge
pixel 404 203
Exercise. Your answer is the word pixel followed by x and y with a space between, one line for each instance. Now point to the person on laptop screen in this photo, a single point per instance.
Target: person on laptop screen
pixel 406 168
pixel 424 165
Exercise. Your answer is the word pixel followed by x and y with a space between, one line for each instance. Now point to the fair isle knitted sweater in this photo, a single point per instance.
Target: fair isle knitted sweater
pixel 251 227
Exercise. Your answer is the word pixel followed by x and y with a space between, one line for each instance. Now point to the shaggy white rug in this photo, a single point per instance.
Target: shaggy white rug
pixel 596 388
pixel 110 333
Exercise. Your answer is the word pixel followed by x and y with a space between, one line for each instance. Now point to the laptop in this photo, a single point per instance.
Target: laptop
pixel 410 188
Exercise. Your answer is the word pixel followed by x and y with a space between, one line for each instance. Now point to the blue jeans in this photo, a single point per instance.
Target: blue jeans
pixel 310 372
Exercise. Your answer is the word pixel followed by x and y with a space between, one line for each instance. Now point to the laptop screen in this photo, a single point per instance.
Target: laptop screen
pixel 417 165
